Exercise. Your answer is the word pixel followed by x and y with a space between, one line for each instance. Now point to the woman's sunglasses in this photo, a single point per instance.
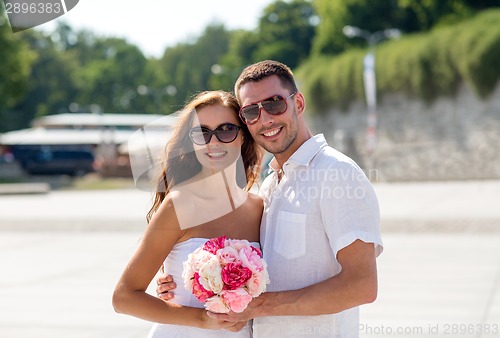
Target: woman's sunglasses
pixel 225 133
pixel 275 105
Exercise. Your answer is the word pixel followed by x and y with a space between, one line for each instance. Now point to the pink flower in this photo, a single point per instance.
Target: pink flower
pixel 216 304
pixel 238 244
pixel 199 291
pixel 251 259
pixel 259 252
pixel 228 255
pixel 214 244
pixel 237 300
pixel 235 275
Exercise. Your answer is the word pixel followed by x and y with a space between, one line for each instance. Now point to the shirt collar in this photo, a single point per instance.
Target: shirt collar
pixel 304 154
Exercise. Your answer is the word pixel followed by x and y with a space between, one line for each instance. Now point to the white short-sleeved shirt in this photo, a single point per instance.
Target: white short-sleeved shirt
pixel 323 203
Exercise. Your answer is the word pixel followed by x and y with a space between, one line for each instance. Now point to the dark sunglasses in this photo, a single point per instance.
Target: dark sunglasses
pixel 225 133
pixel 275 105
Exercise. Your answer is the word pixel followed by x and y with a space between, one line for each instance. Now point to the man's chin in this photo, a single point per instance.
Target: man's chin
pixel 274 149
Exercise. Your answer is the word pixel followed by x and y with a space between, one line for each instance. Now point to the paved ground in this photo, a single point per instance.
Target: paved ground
pixel 470 206
pixel 439 276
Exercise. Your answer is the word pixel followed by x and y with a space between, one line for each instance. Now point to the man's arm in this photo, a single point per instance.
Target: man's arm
pixel 164 286
pixel 356 284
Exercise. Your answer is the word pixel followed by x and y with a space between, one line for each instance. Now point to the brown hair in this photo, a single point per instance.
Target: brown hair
pixel 263 69
pixel 179 152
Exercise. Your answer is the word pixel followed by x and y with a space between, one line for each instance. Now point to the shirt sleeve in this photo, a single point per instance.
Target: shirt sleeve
pixel 349 208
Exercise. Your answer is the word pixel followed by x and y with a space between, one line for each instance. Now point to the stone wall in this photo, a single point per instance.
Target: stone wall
pixel 450 139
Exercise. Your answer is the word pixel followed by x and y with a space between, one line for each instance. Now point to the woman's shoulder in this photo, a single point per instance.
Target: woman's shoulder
pixel 254 198
pixel 165 217
pixel 254 202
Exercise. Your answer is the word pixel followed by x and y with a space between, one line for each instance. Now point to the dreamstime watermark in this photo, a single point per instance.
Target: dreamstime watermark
pixel 25 14
pixel 323 329
pixel 438 329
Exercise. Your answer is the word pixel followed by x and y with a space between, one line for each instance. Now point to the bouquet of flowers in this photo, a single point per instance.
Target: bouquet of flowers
pixel 225 274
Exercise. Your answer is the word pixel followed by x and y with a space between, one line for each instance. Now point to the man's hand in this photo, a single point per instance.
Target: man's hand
pixel 164 286
pixel 215 324
pixel 236 327
pixel 250 312
pixel 231 317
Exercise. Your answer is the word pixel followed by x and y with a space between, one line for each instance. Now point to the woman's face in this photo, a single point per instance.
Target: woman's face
pixel 216 155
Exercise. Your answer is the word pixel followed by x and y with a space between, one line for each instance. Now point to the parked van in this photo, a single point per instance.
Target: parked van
pixel 59 162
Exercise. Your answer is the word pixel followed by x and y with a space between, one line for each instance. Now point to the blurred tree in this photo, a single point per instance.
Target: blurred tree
pixel 286 31
pixel 14 73
pixel 188 67
pixel 111 77
pixel 51 85
pixel 81 72
pixel 242 44
pixel 482 4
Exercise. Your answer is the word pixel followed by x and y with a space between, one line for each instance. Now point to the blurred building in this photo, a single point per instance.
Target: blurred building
pixel 65 143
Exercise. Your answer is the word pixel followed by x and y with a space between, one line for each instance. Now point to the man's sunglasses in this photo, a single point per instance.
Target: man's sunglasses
pixel 275 105
pixel 225 133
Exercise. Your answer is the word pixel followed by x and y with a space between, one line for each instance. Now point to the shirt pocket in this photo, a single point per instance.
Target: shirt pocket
pixel 290 236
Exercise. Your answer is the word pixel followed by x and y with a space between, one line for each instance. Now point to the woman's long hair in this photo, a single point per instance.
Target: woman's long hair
pixel 180 162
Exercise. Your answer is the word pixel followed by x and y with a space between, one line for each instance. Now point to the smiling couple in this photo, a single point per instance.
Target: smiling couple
pixel 320 248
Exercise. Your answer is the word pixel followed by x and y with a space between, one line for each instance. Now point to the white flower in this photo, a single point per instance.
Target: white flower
pixel 195 259
pixel 210 275
pixel 216 304
pixel 257 283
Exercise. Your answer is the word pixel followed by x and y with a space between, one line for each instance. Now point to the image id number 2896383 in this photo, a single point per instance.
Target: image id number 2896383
pixel 33 8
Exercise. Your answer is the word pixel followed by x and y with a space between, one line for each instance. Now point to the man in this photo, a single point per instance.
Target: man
pixel 320 230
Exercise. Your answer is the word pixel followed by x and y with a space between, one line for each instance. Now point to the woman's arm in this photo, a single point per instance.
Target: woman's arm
pixel 130 295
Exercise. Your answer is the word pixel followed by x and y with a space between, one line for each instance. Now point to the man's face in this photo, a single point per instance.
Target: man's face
pixel 275 133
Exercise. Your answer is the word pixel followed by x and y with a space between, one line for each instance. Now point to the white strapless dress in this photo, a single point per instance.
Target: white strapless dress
pixel 173 265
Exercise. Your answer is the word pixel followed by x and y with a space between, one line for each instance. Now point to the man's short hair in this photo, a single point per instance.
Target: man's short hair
pixel 264 69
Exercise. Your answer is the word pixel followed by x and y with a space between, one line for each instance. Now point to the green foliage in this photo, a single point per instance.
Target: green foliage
pixel 111 80
pixel 82 71
pixel 329 38
pixel 16 61
pixel 332 81
pixel 286 31
pixel 407 15
pixel 190 67
pixel 51 82
pixel 477 51
pixel 242 45
pixel 420 65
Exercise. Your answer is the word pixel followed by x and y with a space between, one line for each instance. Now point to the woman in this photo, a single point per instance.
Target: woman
pixel 200 195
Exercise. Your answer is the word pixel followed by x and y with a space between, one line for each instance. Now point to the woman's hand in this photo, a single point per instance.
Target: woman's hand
pixel 215 324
